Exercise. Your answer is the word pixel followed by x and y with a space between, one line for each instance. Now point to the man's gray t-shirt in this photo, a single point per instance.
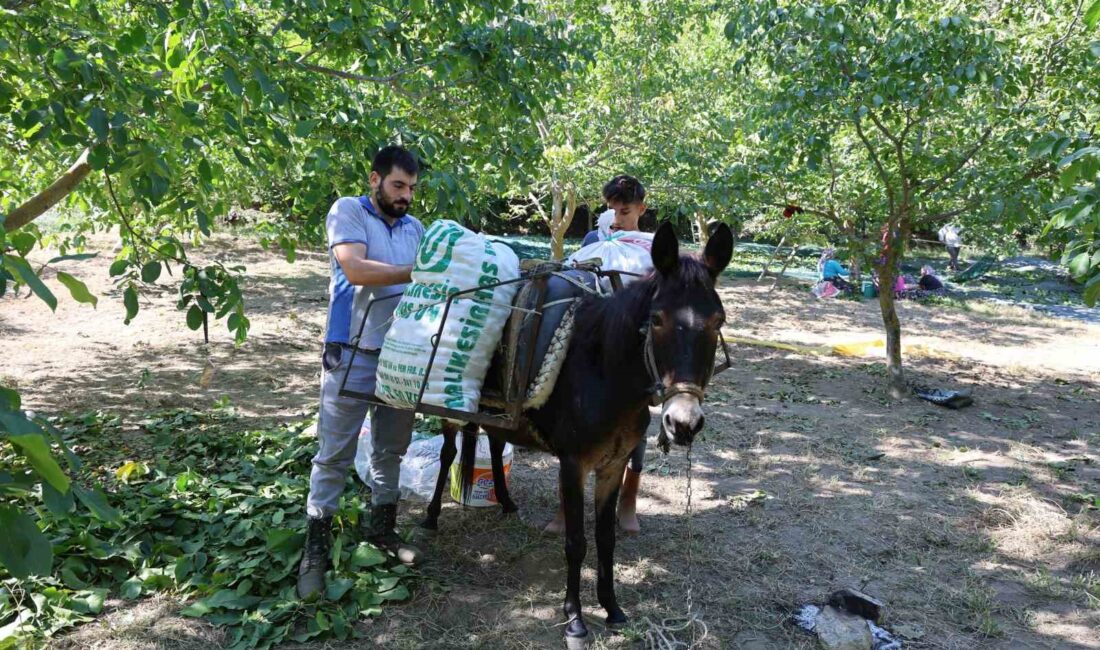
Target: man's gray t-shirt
pixel 354 220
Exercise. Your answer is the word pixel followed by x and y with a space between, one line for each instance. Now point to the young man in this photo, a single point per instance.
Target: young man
pixel 372 245
pixel 626 196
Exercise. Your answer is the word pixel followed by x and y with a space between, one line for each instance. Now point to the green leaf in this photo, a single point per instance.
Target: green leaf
pixel 305 127
pixel 233 81
pixel 77 288
pixel 197 609
pixel 97 120
pixel 366 555
pixel 23 242
pixel 194 317
pixel 89 601
pixel 1084 151
pixel 81 257
pixel 150 271
pixel 129 298
pixel 335 589
pixel 203 221
pixel 131 589
pixel 1092 291
pixel 284 542
pixel 1092 16
pixel 229 599
pixel 205 172
pixel 118 267
pixel 400 592
pixel 1079 265
pixel 9 399
pixel 20 267
pixel 131 469
pixel 16 423
pixel 59 503
pixel 24 550
pixel 96 502
pixel 37 452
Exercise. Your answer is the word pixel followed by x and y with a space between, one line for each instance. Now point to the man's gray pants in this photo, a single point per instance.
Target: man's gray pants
pixel 338 425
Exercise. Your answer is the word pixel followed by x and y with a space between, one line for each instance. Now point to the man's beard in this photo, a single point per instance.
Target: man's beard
pixel 392 209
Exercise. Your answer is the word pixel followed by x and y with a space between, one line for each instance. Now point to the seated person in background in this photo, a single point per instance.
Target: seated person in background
pixel 830 270
pixel 928 280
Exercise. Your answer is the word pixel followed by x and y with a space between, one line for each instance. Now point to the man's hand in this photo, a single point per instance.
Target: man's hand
pixel 369 273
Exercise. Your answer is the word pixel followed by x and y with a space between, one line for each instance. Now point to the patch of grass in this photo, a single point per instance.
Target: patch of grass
pixel 978 608
pixel 209 514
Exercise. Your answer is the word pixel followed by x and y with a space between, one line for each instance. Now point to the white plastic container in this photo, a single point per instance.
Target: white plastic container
pixel 483 491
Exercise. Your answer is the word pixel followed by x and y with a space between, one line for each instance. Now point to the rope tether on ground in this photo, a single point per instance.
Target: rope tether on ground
pixel 665 634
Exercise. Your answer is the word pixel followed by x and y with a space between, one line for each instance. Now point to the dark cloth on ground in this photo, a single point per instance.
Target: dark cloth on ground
pixel 930 283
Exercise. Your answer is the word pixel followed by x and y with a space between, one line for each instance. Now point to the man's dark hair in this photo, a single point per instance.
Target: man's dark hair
pixel 395 156
pixel 624 188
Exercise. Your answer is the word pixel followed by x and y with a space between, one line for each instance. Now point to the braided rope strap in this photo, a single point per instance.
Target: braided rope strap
pixel 540 388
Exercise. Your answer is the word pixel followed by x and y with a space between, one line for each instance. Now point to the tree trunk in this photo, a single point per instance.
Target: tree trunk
pixel 563 206
pixel 701 223
pixel 854 252
pixel 38 204
pixel 887 275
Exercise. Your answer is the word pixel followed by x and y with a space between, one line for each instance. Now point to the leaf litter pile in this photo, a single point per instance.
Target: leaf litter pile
pixel 208 515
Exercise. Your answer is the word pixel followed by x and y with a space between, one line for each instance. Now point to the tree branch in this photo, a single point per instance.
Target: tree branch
pixel 1032 174
pixel 961 163
pixel 881 127
pixel 38 204
pixel 878 164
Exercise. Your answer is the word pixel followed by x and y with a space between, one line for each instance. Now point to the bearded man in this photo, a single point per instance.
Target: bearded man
pixel 372 245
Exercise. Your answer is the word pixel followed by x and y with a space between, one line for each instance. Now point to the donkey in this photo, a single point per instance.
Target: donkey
pixel 655 338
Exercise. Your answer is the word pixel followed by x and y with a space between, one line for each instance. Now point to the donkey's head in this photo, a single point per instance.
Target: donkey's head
pixel 685 320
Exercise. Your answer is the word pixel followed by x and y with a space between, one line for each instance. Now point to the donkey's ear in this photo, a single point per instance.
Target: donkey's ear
pixel 719 250
pixel 666 250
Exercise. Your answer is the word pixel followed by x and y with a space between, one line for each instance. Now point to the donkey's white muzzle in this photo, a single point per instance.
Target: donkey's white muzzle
pixel 682 417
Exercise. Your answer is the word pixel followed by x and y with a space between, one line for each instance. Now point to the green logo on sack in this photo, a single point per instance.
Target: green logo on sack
pixel 442 233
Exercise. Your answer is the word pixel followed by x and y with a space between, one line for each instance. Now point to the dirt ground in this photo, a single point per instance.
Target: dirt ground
pixel 972 526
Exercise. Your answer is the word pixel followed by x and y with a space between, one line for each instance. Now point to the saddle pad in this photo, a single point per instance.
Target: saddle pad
pixel 556 297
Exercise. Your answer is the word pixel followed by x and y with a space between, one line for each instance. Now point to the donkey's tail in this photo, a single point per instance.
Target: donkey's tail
pixel 467 458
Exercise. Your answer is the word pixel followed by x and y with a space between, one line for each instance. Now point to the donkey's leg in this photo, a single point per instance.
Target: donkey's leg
pixel 500 486
pixel 608 479
pixel 446 457
pixel 571 478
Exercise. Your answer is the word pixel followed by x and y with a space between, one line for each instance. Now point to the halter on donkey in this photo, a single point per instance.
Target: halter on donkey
pixel 654 341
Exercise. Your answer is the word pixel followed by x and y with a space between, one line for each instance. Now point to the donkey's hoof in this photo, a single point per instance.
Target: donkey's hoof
pixel 576 642
pixel 427 529
pixel 616 619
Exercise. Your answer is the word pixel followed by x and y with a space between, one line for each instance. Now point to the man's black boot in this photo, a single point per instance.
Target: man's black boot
pixel 315 557
pixel 381 531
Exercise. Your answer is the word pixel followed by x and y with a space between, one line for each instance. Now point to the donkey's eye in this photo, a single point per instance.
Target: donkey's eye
pixel 656 319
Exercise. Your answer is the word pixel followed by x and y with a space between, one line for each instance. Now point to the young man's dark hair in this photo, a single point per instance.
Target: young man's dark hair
pixel 395 156
pixel 625 189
